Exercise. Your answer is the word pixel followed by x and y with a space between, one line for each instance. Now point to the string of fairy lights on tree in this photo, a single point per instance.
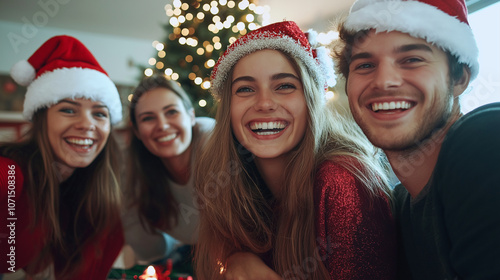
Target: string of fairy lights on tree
pixel 197 33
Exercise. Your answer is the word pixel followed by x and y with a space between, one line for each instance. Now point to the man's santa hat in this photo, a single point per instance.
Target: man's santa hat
pixel 64 68
pixel 285 36
pixel 440 22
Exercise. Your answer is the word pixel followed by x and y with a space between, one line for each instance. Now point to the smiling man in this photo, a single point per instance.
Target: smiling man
pixel 406 64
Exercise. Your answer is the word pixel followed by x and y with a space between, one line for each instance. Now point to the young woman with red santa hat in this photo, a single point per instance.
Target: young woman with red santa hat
pixel 293 186
pixel 58 185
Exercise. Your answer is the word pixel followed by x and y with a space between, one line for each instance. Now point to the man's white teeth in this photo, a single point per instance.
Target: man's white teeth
pixel 82 142
pixel 391 105
pixel 267 126
pixel 167 138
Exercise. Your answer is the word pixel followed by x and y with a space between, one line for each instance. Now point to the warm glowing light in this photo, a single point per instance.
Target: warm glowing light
pixel 209 48
pixel 198 80
pixel 205 85
pixel 202 103
pixel 170 13
pixel 243 32
pixel 185 6
pixel 129 97
pixel 235 29
pixel 169 71
pixel 200 15
pixel 189 16
pixel 168 7
pixel 218 46
pixel 206 7
pixel 159 65
pixel 210 63
pixel 185 32
pixel 189 58
pixel 250 17
pixel 230 19
pixel 200 51
pixel 243 5
pixel 252 7
pixel 175 76
pixel 159 46
pixel 192 76
pixel 329 95
pixel 152 61
pixel 155 43
pixel 148 72
pixel 216 19
pixel 232 40
pixel 181 19
pixel 162 54
pixel 177 12
pixel 231 4
pixel 174 22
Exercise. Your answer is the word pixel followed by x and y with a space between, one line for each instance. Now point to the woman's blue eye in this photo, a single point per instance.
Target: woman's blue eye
pixel 244 89
pixel 67 110
pixel 287 86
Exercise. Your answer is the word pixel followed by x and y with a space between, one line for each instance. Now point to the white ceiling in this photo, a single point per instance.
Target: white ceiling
pixel 143 19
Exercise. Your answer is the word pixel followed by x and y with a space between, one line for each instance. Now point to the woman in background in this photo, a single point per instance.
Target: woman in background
pixel 288 189
pixel 60 182
pixel 166 140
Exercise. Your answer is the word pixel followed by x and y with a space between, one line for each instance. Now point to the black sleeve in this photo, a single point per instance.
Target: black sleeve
pixel 470 191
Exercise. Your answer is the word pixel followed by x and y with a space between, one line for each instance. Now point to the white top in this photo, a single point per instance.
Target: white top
pixel 151 247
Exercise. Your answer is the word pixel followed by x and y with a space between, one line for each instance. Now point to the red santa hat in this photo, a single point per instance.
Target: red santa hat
pixel 440 22
pixel 64 68
pixel 285 36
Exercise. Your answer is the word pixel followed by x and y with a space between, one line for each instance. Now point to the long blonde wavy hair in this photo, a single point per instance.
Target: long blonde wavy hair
pixel 236 211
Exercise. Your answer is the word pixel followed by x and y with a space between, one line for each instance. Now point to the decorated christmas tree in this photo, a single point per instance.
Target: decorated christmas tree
pixel 198 32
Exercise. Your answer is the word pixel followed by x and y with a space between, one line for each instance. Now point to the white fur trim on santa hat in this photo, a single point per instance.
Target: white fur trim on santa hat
pixel 51 87
pixel 23 72
pixel 264 41
pixel 420 20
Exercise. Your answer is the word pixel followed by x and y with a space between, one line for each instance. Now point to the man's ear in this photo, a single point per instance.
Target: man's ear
pixel 461 84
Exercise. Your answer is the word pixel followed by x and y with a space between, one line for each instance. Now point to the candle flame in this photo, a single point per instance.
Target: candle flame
pixel 150 271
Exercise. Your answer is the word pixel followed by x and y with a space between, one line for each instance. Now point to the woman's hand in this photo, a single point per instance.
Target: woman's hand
pixel 248 266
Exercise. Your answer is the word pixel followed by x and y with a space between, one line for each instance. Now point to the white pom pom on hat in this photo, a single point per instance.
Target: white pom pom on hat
pixel 23 73
pixel 64 68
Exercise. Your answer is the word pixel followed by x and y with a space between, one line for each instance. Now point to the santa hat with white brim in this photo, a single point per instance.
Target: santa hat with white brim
pixel 440 22
pixel 64 68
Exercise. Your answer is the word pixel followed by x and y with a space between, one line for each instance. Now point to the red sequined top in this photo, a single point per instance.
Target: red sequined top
pixel 355 240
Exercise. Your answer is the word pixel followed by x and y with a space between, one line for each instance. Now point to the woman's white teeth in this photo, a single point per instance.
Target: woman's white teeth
pixel 167 138
pixel 267 125
pixel 82 142
pixel 391 105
